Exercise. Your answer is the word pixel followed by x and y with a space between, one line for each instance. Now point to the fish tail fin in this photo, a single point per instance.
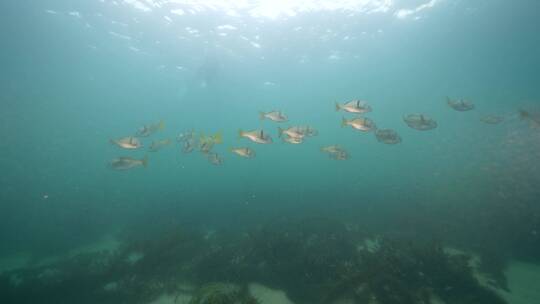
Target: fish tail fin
pixel 145 161
pixel 262 115
pixel 280 131
pixel 343 122
pixel 161 125
pixel 240 133
pixel 112 142
pixel 217 138
pixel 338 107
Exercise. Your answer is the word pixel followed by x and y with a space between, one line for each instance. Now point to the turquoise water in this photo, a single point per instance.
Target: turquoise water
pixel 77 74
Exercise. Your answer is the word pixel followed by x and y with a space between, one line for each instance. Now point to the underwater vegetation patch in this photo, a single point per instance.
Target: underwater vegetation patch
pixel 314 260
pixel 406 272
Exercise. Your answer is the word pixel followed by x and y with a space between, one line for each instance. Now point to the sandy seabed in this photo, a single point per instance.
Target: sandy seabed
pixel 524 283
pixel 264 294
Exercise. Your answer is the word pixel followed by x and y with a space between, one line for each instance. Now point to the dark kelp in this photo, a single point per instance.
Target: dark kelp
pixel 314 260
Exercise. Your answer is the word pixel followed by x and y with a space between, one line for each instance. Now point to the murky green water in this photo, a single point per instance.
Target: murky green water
pixel 370 222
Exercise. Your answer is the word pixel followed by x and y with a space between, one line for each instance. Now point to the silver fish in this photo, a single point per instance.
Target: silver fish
pixel 214 159
pixel 243 152
pixel 276 116
pixel 150 129
pixel 206 146
pixel 332 149
pixel 295 132
pixel 187 140
pixel 257 136
pixel 129 143
pixel 460 105
pixel 307 131
pixel 293 140
pixel 387 136
pixel 188 146
pixel 126 163
pixel 185 136
pixel 336 152
pixel 340 155
pixel 359 123
pixel 420 122
pixel 354 106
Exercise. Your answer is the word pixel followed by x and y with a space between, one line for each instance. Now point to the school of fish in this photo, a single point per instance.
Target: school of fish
pixel 191 141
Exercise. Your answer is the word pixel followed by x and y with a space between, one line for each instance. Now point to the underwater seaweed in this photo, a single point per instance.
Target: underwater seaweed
pixel 315 260
pixel 404 272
